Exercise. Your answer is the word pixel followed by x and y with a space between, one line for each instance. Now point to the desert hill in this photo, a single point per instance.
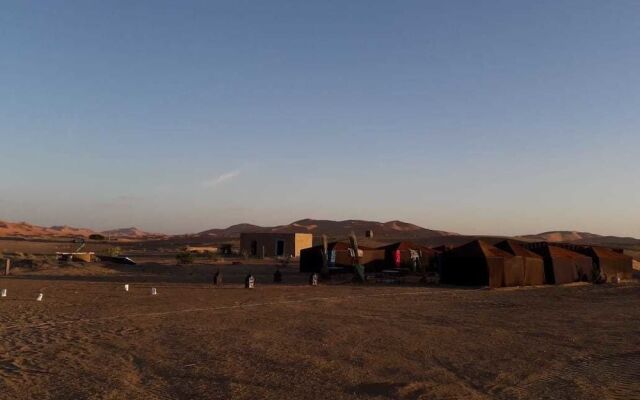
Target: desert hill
pixel 560 236
pixel 131 233
pixel 391 229
pixel 27 230
pixel 384 232
pixel 24 229
pixel 586 238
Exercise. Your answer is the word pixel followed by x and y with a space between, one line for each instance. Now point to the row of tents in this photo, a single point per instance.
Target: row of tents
pixel 479 263
pixel 341 257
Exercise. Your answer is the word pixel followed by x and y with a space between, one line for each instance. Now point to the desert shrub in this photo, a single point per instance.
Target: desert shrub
pixel 185 257
pixel 96 236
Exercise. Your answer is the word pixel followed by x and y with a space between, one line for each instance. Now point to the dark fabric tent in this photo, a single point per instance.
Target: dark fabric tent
pixel 443 248
pixel 477 263
pixel 531 271
pixel 562 265
pixel 609 263
pixel 402 255
pixel 340 256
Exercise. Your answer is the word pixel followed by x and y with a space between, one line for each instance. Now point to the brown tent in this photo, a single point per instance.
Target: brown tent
pixel 609 263
pixel 562 265
pixel 443 248
pixel 531 271
pixel 403 255
pixel 340 256
pixel 477 263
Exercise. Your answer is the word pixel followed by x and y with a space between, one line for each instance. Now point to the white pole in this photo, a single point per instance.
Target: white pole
pixel 4 293
pixel 154 291
pixel 126 287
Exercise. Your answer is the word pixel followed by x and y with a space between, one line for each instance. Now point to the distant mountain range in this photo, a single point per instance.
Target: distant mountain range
pixel 132 233
pixel 27 230
pixel 382 231
pixel 24 229
pixel 391 229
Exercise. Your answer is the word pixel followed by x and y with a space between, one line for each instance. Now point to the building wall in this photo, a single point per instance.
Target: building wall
pixel 254 243
pixel 302 241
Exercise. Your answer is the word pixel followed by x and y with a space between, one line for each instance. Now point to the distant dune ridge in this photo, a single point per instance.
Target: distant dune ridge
pixel 383 231
pixel 25 229
pixel 131 233
pixel 332 228
pixel 583 238
pixel 561 236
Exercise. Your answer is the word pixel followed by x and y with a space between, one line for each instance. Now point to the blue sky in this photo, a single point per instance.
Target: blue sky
pixel 492 117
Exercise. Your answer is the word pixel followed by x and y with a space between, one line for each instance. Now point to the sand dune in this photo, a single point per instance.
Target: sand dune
pixel 24 229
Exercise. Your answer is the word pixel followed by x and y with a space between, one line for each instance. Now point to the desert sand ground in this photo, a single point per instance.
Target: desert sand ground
pixel 89 339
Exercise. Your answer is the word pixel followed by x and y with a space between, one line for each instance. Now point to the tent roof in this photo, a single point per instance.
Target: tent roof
pixel 594 251
pixel 442 248
pixel 548 250
pixel 478 248
pixel 556 251
pixel 604 252
pixel 515 248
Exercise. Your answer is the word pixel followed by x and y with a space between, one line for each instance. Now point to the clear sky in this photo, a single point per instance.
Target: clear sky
pixel 484 117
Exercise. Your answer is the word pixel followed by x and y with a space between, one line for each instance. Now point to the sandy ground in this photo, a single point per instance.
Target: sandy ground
pixel 89 339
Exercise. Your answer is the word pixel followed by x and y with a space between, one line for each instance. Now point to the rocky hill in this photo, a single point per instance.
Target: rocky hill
pixel 391 229
pixel 131 233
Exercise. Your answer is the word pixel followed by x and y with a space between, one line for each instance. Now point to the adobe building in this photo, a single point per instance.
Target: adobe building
pixel 269 244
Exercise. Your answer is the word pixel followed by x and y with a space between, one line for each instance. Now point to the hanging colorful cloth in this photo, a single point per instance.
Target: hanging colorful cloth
pixel 396 258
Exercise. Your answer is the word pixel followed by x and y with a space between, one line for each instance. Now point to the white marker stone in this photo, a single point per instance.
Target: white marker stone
pixel 126 287
pixel 3 293
pixel 40 296
pixel 154 291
